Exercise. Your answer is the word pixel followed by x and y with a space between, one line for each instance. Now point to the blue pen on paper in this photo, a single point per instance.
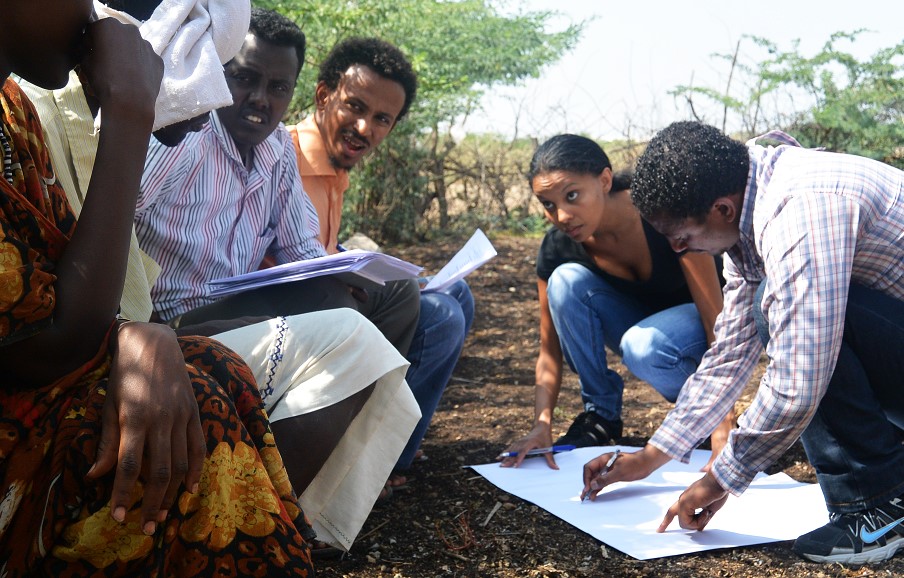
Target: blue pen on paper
pixel 539 451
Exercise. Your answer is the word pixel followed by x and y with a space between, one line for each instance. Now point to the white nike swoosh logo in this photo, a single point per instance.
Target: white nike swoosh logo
pixel 869 537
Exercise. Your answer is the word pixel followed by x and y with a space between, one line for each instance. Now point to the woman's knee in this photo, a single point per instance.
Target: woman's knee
pixel 567 282
pixel 639 349
pixel 651 356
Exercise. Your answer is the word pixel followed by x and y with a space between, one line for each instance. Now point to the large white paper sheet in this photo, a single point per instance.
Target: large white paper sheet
pixel 477 251
pixel 625 515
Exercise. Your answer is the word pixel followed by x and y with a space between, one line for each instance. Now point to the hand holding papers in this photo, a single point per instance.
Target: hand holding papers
pixel 362 269
pixel 357 267
pixel 477 251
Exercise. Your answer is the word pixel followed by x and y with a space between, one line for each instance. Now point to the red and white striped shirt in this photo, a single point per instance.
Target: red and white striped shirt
pixel 202 215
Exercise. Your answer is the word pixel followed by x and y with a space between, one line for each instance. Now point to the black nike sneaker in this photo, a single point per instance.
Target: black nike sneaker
pixel 864 537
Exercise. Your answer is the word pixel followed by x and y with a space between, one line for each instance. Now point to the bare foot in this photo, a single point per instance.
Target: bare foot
pixel 396 481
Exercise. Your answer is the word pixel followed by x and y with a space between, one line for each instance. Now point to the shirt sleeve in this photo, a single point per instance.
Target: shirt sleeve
pixel 164 168
pixel 808 251
pixel 298 231
pixel 722 375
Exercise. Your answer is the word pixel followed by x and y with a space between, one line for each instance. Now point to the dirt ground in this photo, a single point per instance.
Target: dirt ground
pixel 434 528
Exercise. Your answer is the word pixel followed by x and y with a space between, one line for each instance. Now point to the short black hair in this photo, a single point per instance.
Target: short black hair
pixel 685 168
pixel 278 30
pixel 137 9
pixel 575 154
pixel 380 56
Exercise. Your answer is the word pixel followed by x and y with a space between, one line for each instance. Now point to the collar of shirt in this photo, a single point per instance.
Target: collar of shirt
pixel 315 161
pixel 762 163
pixel 265 155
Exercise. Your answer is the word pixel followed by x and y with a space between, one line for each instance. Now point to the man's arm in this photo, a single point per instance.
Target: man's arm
pixel 722 375
pixel 808 251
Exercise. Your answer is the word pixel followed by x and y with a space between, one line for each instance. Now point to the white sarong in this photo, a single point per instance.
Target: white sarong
pixel 308 362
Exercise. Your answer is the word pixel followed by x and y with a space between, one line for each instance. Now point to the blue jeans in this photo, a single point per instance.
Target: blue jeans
pixel 854 440
pixel 443 324
pixel 662 347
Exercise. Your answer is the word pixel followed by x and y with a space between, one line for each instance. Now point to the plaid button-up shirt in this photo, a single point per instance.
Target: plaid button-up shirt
pixel 812 223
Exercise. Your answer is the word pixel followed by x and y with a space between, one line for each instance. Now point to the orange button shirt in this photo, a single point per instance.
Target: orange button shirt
pixel 323 183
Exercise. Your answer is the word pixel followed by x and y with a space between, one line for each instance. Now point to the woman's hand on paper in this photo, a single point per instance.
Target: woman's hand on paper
pixel 539 437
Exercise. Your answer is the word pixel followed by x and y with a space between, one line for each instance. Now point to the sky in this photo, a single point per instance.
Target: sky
pixel 616 80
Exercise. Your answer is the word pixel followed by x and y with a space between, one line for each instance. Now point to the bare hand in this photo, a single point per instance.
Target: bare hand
pixel 539 437
pixel 627 468
pixel 358 293
pixel 697 504
pixel 120 68
pixel 150 425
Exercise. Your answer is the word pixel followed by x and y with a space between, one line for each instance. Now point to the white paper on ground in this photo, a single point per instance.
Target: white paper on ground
pixel 626 515
pixel 477 251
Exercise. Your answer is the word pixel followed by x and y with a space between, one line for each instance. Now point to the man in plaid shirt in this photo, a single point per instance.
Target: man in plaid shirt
pixel 815 272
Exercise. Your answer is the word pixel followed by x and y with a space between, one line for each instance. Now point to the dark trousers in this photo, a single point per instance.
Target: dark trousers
pixel 854 439
pixel 393 308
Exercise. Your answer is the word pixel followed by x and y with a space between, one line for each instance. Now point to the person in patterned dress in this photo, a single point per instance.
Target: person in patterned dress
pixel 123 451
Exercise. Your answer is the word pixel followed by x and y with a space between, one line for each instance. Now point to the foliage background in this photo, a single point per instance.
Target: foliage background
pixel 459 49
pixel 422 182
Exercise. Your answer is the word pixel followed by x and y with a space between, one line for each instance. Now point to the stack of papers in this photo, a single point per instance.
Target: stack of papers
pixel 356 267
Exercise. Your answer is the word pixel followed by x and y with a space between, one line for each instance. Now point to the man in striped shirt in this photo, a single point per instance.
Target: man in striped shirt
pixel 815 270
pixel 229 195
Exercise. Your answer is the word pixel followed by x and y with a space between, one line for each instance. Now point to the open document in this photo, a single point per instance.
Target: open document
pixel 355 267
pixel 477 251
pixel 626 514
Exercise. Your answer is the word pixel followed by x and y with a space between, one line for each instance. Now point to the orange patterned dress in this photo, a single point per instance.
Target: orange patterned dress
pixel 245 521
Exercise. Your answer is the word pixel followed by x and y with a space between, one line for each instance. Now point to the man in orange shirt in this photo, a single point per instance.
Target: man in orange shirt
pixel 364 88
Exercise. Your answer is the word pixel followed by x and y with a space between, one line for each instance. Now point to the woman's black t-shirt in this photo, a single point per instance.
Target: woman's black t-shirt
pixel 666 287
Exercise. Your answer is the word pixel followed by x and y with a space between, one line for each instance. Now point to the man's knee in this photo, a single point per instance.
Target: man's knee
pixel 407 293
pixel 338 325
pixel 443 314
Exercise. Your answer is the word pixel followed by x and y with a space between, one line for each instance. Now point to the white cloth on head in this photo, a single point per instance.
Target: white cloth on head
pixel 308 362
pixel 195 38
